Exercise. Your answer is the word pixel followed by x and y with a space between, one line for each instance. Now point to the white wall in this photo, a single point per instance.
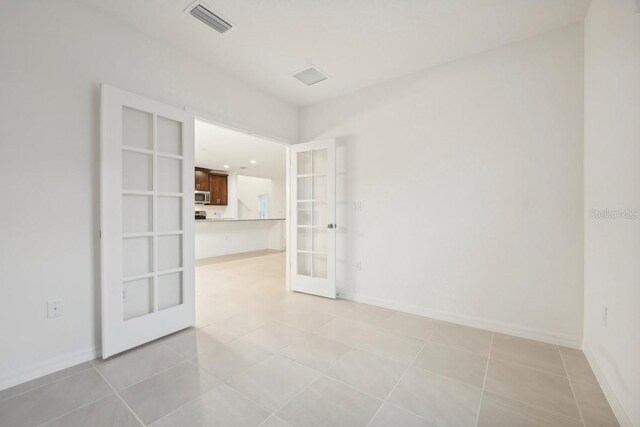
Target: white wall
pixel 53 57
pixel 469 176
pixel 249 188
pixel 612 182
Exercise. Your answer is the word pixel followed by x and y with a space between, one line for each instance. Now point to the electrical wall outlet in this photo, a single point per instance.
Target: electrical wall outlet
pixel 604 316
pixel 54 309
pixel 359 265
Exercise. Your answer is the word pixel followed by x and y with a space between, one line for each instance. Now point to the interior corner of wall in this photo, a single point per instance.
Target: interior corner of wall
pixel 605 385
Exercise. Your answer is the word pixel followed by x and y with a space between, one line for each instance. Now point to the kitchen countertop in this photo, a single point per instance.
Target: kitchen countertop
pixel 238 220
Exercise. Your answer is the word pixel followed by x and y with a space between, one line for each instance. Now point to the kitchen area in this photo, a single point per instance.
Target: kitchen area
pixel 240 193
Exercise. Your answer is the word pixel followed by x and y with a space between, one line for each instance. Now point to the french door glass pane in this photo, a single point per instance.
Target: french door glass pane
pixel 137 215
pixel 304 264
pixel 137 298
pixel 320 214
pixel 137 129
pixel 305 163
pixel 169 252
pixel 320 161
pixel 320 240
pixel 304 213
pixel 169 213
pixel 305 188
pixel 137 171
pixel 137 256
pixel 320 266
pixel 305 239
pixel 320 188
pixel 169 136
pixel 169 175
pixel 169 290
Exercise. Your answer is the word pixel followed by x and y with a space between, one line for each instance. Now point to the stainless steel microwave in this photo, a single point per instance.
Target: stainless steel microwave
pixel 202 197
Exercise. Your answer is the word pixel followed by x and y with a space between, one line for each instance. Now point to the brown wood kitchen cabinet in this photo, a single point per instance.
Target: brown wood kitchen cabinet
pixel 202 179
pixel 213 182
pixel 218 188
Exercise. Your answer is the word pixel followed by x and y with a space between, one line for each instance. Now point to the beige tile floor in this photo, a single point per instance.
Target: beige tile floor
pixel 261 356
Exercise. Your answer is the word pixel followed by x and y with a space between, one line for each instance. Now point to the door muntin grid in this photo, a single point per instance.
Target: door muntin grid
pixel 152 207
pixel 312 213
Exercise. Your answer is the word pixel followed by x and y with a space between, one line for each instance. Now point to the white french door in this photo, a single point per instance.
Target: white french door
pixel 313 228
pixel 147 237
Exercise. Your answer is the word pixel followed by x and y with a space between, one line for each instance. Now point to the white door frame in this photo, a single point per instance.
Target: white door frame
pixel 210 118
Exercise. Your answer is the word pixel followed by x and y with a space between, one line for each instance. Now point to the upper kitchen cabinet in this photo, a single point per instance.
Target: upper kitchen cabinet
pixel 213 182
pixel 218 188
pixel 202 179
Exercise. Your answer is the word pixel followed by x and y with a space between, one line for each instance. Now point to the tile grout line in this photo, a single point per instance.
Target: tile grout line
pixel 484 382
pixel 273 416
pixel 222 381
pixel 233 388
pixel 321 374
pixel 185 360
pixel 528 404
pixel 114 393
pixel 575 399
pixel 386 399
pixel 46 384
pixel 153 375
pixel 424 344
pixel 539 370
pixel 353 388
pixel 120 397
pixel 73 410
pixel 199 396
pixel 195 398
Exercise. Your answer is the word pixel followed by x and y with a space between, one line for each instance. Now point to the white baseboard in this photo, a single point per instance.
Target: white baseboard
pixel 46 367
pixel 615 404
pixel 476 322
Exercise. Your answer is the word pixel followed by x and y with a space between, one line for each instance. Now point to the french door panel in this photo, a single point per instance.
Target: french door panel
pixel 313 218
pixel 147 238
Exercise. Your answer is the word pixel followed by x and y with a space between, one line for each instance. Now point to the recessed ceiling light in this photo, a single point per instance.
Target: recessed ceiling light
pixel 226 166
pixel 253 162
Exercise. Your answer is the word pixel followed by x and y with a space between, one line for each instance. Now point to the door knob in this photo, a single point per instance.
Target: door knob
pixel 331 226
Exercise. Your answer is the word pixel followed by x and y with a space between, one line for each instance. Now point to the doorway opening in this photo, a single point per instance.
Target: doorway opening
pixel 240 220
pixel 235 227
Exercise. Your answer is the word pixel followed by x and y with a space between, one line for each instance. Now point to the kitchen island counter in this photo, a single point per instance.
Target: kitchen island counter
pixel 221 236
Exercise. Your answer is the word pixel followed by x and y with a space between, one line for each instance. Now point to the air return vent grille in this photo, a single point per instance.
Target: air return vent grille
pixel 211 19
pixel 310 75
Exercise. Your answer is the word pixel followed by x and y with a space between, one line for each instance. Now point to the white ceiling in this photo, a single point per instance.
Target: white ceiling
pixel 358 43
pixel 216 146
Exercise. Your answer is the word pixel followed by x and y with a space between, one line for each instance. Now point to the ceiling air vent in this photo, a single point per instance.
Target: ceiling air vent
pixel 310 75
pixel 211 19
